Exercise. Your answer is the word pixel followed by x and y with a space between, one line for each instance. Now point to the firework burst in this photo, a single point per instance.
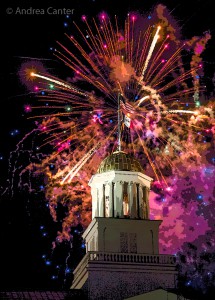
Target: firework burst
pixel 139 76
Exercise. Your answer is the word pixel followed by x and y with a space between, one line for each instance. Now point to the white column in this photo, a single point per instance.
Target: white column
pixel 97 202
pixel 141 202
pixel 101 201
pixel 138 200
pixel 147 202
pixel 94 202
pixel 113 202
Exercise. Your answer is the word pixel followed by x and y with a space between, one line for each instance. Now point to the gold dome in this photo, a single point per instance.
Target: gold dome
pixel 120 161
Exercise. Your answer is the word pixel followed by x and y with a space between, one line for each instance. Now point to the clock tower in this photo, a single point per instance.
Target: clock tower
pixel 122 244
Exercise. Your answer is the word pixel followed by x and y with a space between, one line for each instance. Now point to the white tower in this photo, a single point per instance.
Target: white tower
pixel 122 245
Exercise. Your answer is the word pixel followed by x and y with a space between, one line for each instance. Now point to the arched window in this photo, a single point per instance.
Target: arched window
pixel 125 202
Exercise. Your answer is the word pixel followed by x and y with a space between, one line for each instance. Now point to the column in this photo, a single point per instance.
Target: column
pixel 145 202
pixel 113 201
pixel 94 202
pixel 101 201
pixel 138 200
pixel 97 201
pixel 141 202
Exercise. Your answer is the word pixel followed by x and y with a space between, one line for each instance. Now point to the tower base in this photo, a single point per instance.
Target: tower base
pixel 117 276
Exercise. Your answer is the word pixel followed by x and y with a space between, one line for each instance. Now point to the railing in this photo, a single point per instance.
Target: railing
pixel 131 258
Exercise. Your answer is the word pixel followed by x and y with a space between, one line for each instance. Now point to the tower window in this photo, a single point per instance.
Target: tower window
pixel 128 242
pixel 125 199
pixel 107 206
pixel 133 242
pixel 124 242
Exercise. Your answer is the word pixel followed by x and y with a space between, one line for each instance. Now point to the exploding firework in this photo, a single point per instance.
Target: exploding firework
pixel 134 87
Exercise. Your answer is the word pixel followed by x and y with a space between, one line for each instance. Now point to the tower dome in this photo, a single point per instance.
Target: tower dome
pixel 120 161
pixel 120 189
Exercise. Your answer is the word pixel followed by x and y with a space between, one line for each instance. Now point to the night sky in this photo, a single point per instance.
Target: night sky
pixel 27 229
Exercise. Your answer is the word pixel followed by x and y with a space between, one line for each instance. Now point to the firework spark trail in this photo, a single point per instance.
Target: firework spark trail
pixel 68 86
pixel 151 49
pixel 140 57
pixel 141 100
pixel 167 68
pixel 79 165
pixel 148 156
pixel 152 67
pixel 180 111
pixel 12 167
pixel 88 78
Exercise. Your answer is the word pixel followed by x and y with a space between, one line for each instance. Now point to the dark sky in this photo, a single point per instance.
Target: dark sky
pixel 24 36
